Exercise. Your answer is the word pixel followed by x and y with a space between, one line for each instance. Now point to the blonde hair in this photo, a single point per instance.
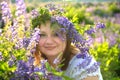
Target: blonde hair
pixel 37 56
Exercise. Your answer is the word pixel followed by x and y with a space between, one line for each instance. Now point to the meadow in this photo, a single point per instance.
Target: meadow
pixel 104 43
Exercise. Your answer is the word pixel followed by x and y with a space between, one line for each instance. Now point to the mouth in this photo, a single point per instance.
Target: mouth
pixel 50 48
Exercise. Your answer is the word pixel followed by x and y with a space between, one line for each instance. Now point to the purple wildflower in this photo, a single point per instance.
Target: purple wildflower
pixel 33 50
pixel 6 13
pixel 21 8
pixel 51 7
pixel 19 44
pixel 12 56
pixel 57 59
pixel 61 34
pixel 100 25
pixel 26 42
pixel 54 9
pixel 1 57
pixel 62 10
pixel 89 41
pixel 84 49
pixel 83 55
pixel 90 31
pixel 34 13
pixel 10 63
pixel 26 70
pixel 53 77
pixel 43 68
pixel 22 18
pixel 22 68
pixel 13 30
pixel 35 37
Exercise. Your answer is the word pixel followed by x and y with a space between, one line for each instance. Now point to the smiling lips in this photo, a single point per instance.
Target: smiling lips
pixel 50 48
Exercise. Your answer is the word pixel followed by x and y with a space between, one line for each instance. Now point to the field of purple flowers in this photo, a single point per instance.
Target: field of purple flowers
pixel 105 43
pixel 18 40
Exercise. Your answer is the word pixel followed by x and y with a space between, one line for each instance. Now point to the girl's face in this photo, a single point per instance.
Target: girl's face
pixel 50 44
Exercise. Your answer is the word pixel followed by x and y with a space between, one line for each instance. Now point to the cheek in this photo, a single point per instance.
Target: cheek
pixel 62 45
pixel 60 41
pixel 41 43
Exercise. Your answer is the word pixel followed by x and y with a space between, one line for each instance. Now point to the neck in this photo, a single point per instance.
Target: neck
pixel 51 61
pixel 54 61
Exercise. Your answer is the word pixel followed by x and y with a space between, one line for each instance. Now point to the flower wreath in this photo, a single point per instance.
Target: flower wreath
pixel 40 16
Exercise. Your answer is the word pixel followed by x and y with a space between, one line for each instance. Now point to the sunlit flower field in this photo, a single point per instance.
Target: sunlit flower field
pixel 97 22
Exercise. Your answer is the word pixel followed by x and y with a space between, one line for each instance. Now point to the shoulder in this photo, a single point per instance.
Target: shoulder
pixel 83 65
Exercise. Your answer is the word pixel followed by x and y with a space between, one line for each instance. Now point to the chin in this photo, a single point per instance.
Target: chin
pixel 51 54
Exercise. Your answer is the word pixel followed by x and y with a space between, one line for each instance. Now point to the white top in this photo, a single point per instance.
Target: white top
pixel 81 66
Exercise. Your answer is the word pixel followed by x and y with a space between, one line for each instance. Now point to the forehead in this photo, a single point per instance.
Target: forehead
pixel 49 26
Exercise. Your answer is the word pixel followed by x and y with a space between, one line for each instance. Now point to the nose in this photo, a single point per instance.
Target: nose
pixel 49 40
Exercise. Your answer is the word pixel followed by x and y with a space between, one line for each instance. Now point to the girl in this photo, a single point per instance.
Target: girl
pixel 60 43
